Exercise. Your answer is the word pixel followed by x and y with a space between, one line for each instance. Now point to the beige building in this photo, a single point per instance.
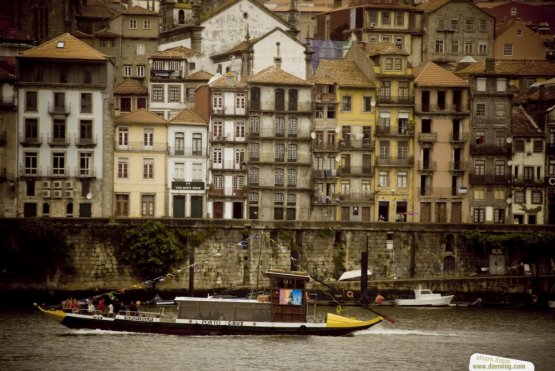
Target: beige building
pixel 140 162
pixel 515 40
pixel 442 124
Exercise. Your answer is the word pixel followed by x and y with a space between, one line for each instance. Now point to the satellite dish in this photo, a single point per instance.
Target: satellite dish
pixel 337 129
pixel 373 103
pixel 509 140
pixel 510 163
pixel 313 135
pixel 337 158
pixel 89 196
pixel 509 201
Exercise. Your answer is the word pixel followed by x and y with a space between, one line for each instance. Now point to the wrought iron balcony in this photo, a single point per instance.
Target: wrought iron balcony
pixel 354 171
pixel 490 149
pixel 59 109
pixel 426 166
pixel 394 161
pixel 490 179
pixel 30 141
pixel 58 141
pixel 427 137
pixel 87 142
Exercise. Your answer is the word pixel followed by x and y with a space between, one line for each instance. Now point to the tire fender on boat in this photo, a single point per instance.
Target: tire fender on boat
pixel 350 294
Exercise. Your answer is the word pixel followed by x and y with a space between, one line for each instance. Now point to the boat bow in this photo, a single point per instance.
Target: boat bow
pixel 335 321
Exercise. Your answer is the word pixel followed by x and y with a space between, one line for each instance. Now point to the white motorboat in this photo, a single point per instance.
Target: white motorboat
pixel 425 298
pixel 353 275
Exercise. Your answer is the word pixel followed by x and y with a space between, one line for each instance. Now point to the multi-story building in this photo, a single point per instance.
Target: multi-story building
pixel 140 165
pixel 279 161
pixel 138 31
pixel 356 123
pixel 187 165
pixel 550 165
pixel 454 29
pixel 64 121
pixel 168 71
pixel 8 149
pixel 129 95
pixel 528 169
pixel 228 145
pixel 442 123
pixel 191 83
pixel 376 21
pixel 490 146
pixel 516 40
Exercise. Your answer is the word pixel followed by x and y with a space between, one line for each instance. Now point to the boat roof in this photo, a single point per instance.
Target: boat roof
pixel 277 273
pixel 215 299
pixel 349 275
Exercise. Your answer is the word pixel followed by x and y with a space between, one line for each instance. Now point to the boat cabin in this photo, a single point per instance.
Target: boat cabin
pixel 286 303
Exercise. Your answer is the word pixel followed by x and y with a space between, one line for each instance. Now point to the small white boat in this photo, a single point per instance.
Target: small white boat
pixel 425 298
pixel 353 275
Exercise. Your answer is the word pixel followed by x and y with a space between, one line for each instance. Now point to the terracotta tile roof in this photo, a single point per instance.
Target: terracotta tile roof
pixel 141 116
pixel 5 75
pixel 102 11
pixel 523 124
pixel 431 6
pixel 433 75
pixel 137 10
pixel 81 35
pixel 201 75
pixel 525 68
pixel 187 116
pixel 8 64
pixel 179 52
pixel 243 46
pixel 382 48
pixel 276 76
pixel 106 34
pixel 502 27
pixel 222 82
pixel 321 80
pixel 130 87
pixel 73 48
pixel 344 73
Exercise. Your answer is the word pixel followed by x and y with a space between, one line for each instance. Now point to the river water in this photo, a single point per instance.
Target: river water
pixel 420 339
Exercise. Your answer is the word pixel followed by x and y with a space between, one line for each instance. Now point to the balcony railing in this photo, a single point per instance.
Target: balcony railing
pixel 32 172
pixel 458 138
pixel 8 103
pixel 57 141
pixel 427 137
pixel 140 146
pixel 393 161
pixel 186 151
pixel 424 166
pixel 323 174
pixel 324 147
pixel 527 182
pixel 389 99
pixel 57 172
pixel 59 109
pixel 490 149
pixel 354 170
pixel 85 142
pixel 489 179
pixel 456 166
pixel 325 97
pixel 85 172
pixel 382 130
pixel 437 192
pixel 348 197
pixel 352 144
pixel 29 141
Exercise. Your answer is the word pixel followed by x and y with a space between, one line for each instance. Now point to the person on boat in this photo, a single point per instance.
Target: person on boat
pixel 110 310
pixel 101 306
pixel 90 308
pixel 117 306
pixel 133 308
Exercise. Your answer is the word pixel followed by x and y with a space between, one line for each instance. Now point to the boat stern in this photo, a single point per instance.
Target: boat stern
pixel 336 321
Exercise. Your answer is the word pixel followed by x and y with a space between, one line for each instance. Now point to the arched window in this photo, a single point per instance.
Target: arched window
pixel 449 264
pixel 449 243
pixel 181 17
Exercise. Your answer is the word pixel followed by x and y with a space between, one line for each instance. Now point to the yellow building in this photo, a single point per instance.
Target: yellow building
pixel 140 158
pixel 355 93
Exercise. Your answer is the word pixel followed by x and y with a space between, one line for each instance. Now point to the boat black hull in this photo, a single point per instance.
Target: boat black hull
pixel 171 328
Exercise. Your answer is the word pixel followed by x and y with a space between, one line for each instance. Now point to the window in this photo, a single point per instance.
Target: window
pixel 291 199
pixel 513 11
pixel 500 138
pixel 123 135
pixel 179 171
pixel 240 100
pixel 31 101
pixel 157 93
pixel 403 150
pixel 86 103
pixel 479 194
pixel 147 205
pixel 468 47
pixel 240 130
pixel 179 141
pixel 501 84
pixel 218 182
pixel 499 216
pixel 59 131
pixel 146 24
pixel 254 151
pixel 148 168
pixel 291 177
pixel 293 99
pixel 292 127
pixel 346 103
pixel 520 197
pixel 479 167
pixel 499 194
pixel 507 50
pixel 439 46
pixel 198 173
pixel 123 168
pixel 402 180
pixel 140 49
pixel 481 84
pixel 478 215
pixel 174 93
pixel 148 138
pixel 255 98
pixel 499 168
pixel 528 173
pixel 254 198
pixel 454 46
pixel 537 197
pixel 403 90
pixel 482 47
pixel 217 129
pixel 122 205
pixel 399 19
pixel 292 152
pixel 538 146
pixel 386 18
pixel 140 71
pixel 384 149
pixel 480 109
pixel 253 175
pixel 454 25
pixel 469 25
pixel 133 24
pixel 482 25
pixel 85 131
pixel 58 163
pixel 197 144
pixel 279 175
pixel 519 145
pixel 385 90
pixel 366 104
pixel 383 179
pixel 279 150
pixel 217 155
pixel 239 158
pixel 255 125
pixel 480 137
pixel 218 101
pixel 280 126
pixel 499 110
pixel 238 182
pixel 31 160
pixel 279 100
pixel 388 64
pixel 127 70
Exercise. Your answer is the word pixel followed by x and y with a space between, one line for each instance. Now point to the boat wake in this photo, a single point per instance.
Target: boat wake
pixel 87 332
pixel 378 330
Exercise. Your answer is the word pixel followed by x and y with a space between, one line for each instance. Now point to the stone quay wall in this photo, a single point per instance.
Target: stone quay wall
pixel 400 256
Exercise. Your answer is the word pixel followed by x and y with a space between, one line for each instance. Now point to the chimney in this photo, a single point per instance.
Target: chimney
pixel 229 79
pixel 277 59
pixel 490 65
